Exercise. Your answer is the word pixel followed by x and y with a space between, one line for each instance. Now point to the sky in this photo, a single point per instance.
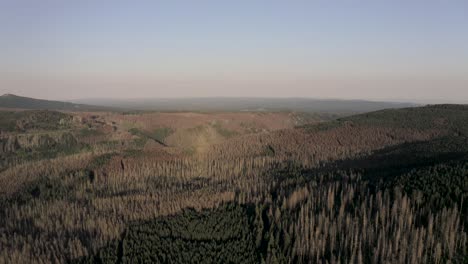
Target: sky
pixel 377 50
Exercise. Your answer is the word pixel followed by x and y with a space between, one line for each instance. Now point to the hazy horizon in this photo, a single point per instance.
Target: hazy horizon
pixel 88 100
pixel 394 51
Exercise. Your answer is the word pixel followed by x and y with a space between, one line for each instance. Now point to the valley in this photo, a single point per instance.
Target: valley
pixel 81 186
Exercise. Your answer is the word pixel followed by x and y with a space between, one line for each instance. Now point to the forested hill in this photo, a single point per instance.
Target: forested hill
pixel 307 105
pixel 444 116
pixel 20 102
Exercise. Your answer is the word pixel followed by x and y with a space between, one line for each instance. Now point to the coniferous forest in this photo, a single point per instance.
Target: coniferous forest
pixel 389 186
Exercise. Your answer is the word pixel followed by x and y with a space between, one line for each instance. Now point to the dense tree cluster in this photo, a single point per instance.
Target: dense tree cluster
pixel 440 186
pixel 223 235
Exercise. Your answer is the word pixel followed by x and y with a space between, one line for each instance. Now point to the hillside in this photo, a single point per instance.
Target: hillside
pixel 20 102
pixel 308 105
pixel 445 116
pixel 381 187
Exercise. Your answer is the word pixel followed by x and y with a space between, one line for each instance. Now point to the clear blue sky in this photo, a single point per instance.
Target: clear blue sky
pixel 400 50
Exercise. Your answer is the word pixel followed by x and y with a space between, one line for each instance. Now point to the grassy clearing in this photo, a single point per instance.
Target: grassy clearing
pixel 158 135
pixel 223 131
pixel 161 134
pixel 89 132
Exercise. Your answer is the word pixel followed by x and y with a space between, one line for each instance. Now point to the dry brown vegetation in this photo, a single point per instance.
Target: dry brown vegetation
pixel 56 210
pixel 343 220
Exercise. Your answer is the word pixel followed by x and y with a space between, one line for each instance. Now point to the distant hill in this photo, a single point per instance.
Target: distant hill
pixel 450 117
pixel 248 104
pixel 203 104
pixel 20 102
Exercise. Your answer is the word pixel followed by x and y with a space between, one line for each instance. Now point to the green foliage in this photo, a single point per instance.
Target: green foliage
pixel 65 147
pixel 135 131
pixel 101 160
pixel 8 120
pixel 442 185
pixel 44 188
pixel 140 142
pixel 133 153
pixel 190 151
pixel 47 189
pixel 142 138
pixel 109 143
pixel 90 132
pixel 449 117
pixel 390 162
pixel 161 134
pixel 223 131
pixel 158 135
pixel 269 151
pixel 34 120
pixel 223 235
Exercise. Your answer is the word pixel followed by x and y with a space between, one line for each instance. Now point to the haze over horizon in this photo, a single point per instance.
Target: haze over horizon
pixel 392 51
